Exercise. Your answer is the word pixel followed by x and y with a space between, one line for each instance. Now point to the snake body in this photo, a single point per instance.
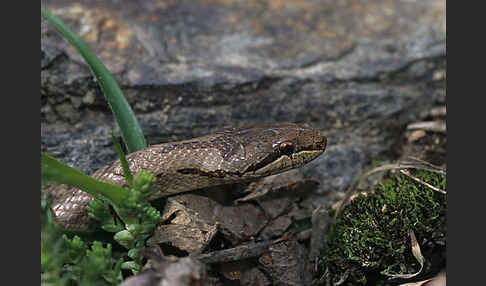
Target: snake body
pixel 230 156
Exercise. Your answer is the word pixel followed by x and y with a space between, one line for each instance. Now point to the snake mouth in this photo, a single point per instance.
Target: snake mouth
pixel 268 160
pixel 277 163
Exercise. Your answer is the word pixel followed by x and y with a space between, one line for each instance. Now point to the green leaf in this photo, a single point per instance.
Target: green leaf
pixel 131 265
pixel 54 171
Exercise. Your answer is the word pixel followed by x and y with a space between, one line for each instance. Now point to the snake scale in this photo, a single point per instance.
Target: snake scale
pixel 230 156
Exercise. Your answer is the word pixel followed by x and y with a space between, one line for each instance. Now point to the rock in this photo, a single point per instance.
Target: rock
pixel 339 166
pixel 286 263
pixel 253 277
pixel 67 112
pixel 170 271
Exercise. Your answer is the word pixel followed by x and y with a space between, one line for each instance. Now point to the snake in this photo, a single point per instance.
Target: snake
pixel 230 156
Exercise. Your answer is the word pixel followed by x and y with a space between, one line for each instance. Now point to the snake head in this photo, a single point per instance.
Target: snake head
pixel 272 149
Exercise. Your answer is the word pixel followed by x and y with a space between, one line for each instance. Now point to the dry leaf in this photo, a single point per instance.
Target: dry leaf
pixel 419 283
pixel 416 253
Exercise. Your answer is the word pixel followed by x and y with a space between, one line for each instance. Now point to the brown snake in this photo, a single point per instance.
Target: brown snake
pixel 231 156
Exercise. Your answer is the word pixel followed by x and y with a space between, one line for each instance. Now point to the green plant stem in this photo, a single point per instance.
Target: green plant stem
pixel 123 160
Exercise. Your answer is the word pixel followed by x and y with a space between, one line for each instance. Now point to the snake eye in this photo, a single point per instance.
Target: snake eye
pixel 287 147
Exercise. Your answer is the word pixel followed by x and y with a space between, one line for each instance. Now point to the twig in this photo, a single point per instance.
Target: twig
pixel 407 173
pixel 438 111
pixel 236 253
pixel 436 126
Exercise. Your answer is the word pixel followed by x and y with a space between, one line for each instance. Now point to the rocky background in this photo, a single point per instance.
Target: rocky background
pixel 363 72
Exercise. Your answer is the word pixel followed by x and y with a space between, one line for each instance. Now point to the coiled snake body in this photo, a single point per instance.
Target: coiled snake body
pixel 231 156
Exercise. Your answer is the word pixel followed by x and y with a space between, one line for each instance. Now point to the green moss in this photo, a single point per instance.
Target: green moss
pixel 371 238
